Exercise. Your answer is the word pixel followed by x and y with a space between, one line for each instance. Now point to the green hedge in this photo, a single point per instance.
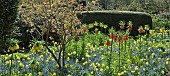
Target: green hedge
pixel 8 13
pixel 112 18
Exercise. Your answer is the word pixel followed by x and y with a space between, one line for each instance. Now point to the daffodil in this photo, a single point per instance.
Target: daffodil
pixel 101 70
pixel 7 62
pixel 71 66
pixel 21 65
pixel 77 60
pixel 119 74
pixel 98 64
pixel 87 55
pixel 69 75
pixel 139 73
pixel 159 59
pixel 153 55
pixel 147 63
pixel 82 58
pixel 122 73
pixel 26 66
pixel 85 63
pixel 74 52
pixel 107 67
pixel 144 69
pixel 132 71
pixel 152 32
pixel 40 73
pixel 163 72
pixel 162 30
pixel 54 74
pixel 30 74
pixel 91 72
pixel 57 65
pixel 136 68
pixel 166 62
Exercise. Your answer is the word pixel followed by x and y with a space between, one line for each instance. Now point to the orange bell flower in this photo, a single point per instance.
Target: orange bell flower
pixel 113 36
pixel 107 43
pixel 119 39
pixel 141 30
pixel 130 27
pixel 125 38
pixel 122 27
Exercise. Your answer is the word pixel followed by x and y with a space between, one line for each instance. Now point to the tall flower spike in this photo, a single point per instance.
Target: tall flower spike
pixel 130 25
pixel 122 24
pixel 141 30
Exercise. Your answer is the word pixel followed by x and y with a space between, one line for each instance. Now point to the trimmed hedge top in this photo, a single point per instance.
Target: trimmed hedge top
pixel 118 12
pixel 112 18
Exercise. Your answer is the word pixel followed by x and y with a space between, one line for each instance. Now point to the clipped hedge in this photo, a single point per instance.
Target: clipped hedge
pixel 112 18
pixel 8 13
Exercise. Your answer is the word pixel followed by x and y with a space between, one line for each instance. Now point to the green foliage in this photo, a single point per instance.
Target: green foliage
pixel 149 6
pixel 86 42
pixel 160 22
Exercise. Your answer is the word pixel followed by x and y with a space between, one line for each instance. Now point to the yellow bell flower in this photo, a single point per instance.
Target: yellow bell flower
pixel 37 47
pixel 13 48
pixel 13 44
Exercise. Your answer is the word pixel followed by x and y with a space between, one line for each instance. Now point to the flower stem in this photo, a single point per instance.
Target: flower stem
pixel 110 55
pixel 119 56
pixel 33 71
pixel 130 50
pixel 125 50
pixel 11 64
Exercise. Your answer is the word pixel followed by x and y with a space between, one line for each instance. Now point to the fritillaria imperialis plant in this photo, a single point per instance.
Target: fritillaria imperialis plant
pixel 122 24
pixel 13 46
